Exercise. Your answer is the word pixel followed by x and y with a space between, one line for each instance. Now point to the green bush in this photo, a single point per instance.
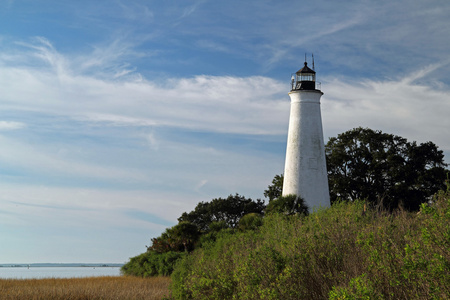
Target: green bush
pixel 359 288
pixel 289 205
pixel 211 237
pixel 152 263
pixel 250 222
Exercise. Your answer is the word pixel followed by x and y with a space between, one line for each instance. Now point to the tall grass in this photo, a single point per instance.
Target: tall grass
pixel 92 288
pixel 343 252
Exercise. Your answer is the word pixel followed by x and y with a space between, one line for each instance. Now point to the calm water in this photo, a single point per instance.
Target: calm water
pixel 57 272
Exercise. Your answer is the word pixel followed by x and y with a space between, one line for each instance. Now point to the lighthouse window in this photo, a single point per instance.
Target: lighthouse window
pixel 306 77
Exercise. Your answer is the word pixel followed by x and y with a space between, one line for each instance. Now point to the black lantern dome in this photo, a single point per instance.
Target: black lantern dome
pixel 304 79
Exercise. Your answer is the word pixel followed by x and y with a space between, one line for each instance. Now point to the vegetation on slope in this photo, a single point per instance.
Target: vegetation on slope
pixel 152 263
pixel 343 252
pixel 195 228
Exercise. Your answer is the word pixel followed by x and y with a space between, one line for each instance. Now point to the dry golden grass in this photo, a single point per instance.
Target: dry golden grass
pixel 91 288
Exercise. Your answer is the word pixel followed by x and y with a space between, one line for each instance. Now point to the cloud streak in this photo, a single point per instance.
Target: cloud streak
pixel 11 125
pixel 402 107
pixel 195 103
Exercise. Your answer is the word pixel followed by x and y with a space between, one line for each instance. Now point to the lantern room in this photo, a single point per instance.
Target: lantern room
pixel 304 79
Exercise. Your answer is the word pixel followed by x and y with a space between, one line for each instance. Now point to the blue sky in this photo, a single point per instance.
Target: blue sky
pixel 117 116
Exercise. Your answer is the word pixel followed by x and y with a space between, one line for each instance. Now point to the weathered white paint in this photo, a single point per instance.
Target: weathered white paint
pixel 305 172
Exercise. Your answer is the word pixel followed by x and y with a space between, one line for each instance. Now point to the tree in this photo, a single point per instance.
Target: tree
pixel 290 204
pixel 383 168
pixel 275 190
pixel 229 210
pixel 181 237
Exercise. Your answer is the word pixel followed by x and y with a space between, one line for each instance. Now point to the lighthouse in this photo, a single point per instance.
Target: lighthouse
pixel 305 171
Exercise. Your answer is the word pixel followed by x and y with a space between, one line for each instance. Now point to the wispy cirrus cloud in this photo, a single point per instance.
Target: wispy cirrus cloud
pixel 194 103
pixel 129 133
pixel 400 106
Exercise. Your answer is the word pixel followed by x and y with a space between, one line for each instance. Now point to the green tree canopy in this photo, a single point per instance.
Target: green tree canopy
pixel 229 210
pixel 181 237
pixel 275 189
pixel 366 164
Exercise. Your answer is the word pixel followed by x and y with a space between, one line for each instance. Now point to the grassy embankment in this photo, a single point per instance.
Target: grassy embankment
pixel 92 288
pixel 343 252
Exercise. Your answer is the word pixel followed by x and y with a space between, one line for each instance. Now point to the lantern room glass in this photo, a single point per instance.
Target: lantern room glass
pixel 306 77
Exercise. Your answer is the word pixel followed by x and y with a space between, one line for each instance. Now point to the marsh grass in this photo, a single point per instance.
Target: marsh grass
pixel 92 288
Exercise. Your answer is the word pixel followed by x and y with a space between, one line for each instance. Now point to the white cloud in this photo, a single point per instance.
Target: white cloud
pixel 189 10
pixel 226 104
pixel 201 184
pixel 96 205
pixel 135 11
pixel 223 104
pixel 153 141
pixel 11 125
pixel 217 103
pixel 402 107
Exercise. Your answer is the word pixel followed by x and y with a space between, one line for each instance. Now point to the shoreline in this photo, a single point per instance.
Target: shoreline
pixel 61 265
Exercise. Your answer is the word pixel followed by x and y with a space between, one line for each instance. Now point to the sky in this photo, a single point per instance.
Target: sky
pixel 117 116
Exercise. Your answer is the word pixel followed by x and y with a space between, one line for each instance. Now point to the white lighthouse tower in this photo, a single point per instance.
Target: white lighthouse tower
pixel 305 172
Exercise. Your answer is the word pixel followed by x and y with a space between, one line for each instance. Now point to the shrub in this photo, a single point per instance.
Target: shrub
pixel 250 222
pixel 359 288
pixel 152 263
pixel 290 204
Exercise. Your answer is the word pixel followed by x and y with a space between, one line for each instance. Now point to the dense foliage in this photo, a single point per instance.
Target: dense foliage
pixel 383 168
pixel 152 263
pixel 348 251
pixel 250 222
pixel 290 204
pixel 275 189
pixel 203 225
pixel 229 210
pixel 181 237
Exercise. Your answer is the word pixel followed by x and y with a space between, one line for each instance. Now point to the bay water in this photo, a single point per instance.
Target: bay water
pixel 57 272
